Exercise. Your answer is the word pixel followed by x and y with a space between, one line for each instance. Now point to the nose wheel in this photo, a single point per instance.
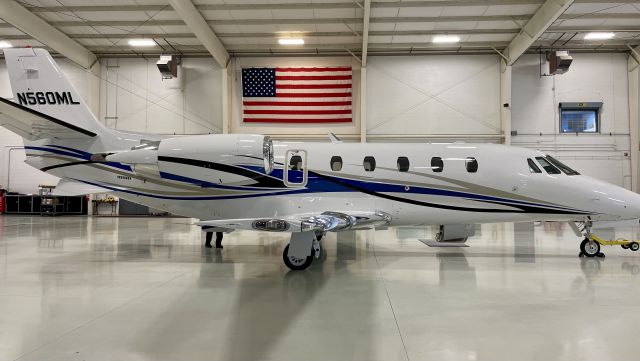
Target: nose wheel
pixel 590 248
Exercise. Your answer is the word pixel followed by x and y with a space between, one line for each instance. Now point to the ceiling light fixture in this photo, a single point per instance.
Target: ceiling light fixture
pixel 142 42
pixel 598 36
pixel 291 41
pixel 446 39
pixel 5 44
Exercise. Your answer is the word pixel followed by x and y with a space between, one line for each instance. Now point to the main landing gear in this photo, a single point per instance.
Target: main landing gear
pixel 302 249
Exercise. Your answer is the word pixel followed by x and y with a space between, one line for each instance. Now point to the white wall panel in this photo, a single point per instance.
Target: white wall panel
pixel 134 97
pixel 433 95
pixel 591 78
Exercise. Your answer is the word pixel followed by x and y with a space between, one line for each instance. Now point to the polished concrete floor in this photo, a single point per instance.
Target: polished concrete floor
pixel 76 288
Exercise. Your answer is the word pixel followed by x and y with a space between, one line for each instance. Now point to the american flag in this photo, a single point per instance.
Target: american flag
pixel 296 95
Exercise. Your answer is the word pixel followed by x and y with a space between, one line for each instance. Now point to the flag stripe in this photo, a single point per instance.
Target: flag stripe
pixel 313 69
pixel 313 86
pixel 295 104
pixel 297 112
pixel 311 95
pixel 297 120
pixel 313 77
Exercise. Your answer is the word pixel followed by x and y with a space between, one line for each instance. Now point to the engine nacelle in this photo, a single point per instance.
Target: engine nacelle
pixel 458 233
pixel 211 158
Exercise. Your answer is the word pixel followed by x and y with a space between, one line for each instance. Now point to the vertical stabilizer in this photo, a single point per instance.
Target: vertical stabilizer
pixel 38 83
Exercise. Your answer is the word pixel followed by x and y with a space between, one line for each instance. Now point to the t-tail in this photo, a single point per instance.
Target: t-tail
pixel 46 105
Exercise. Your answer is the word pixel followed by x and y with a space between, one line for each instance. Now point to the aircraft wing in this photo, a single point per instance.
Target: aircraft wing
pixel 324 221
pixel 33 125
pixel 67 187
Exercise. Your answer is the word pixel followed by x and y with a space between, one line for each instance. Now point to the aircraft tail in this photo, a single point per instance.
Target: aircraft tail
pixel 45 105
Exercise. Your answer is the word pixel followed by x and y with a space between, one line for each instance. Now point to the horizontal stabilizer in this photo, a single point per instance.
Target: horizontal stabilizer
pixel 33 125
pixel 68 187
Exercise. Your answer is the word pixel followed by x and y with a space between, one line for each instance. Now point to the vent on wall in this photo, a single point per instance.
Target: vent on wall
pixel 559 62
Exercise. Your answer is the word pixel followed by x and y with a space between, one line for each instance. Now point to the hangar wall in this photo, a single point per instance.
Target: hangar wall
pixel 134 97
pixel 406 95
pixel 434 96
pixel 591 78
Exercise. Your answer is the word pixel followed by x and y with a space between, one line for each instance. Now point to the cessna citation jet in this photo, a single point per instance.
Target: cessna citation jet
pixel 243 181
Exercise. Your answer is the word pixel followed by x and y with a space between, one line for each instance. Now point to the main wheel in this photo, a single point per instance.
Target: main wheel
pixel 625 246
pixel 634 246
pixel 589 248
pixel 294 263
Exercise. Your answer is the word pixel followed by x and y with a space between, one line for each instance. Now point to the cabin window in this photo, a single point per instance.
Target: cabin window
pixel 548 167
pixel 437 165
pixel 563 167
pixel 295 163
pixel 533 167
pixel 471 164
pixel 403 164
pixel 336 163
pixel 369 163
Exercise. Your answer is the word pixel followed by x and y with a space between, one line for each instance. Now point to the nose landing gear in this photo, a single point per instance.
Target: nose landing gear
pixel 590 246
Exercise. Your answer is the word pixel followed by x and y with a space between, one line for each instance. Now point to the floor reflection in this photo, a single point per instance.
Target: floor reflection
pixel 455 271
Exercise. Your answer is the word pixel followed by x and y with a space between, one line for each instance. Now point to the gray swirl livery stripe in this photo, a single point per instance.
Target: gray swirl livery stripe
pixel 521 208
pixel 261 179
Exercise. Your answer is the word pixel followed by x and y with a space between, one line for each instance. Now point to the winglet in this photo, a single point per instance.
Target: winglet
pixel 334 138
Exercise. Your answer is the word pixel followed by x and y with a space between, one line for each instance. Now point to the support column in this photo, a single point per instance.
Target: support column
pixel 226 97
pixel 634 121
pixel 505 99
pixel 363 105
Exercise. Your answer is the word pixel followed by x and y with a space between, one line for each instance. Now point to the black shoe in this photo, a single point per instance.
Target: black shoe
pixel 219 246
pixel 208 245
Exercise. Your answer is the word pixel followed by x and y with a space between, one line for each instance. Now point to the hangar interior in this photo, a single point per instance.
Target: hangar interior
pixel 95 288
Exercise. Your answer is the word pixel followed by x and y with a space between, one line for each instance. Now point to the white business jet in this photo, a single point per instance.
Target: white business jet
pixel 245 181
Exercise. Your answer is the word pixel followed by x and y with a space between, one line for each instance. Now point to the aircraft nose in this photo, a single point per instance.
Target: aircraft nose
pixel 625 203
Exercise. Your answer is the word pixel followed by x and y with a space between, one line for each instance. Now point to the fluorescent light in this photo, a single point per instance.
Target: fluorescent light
pixel 291 41
pixel 5 44
pixel 598 36
pixel 142 42
pixel 446 39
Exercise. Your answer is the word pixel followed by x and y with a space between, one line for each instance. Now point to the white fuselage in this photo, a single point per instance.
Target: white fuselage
pixel 212 186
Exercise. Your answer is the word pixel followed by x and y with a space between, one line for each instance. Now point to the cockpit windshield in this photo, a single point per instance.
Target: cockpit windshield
pixel 547 166
pixel 563 167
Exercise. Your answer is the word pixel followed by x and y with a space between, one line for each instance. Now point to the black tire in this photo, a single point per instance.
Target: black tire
pixel 295 264
pixel 319 235
pixel 589 248
pixel 634 246
pixel 625 246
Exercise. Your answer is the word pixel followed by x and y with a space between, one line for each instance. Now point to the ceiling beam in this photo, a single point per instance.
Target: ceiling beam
pixel 541 20
pixel 306 6
pixel 201 29
pixel 365 31
pixel 354 20
pixel 27 22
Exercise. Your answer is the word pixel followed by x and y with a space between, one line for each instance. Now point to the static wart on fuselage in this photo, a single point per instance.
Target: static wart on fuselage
pixel 245 181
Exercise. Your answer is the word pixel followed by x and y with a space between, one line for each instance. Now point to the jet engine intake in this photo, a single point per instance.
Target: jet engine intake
pixel 458 233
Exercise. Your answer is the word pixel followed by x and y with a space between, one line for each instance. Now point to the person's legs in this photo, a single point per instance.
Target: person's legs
pixel 219 236
pixel 209 237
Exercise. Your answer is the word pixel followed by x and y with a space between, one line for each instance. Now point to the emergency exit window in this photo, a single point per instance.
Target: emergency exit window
pixel 579 121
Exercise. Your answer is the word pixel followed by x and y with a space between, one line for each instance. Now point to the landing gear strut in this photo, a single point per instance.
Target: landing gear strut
pixel 301 250
pixel 588 246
